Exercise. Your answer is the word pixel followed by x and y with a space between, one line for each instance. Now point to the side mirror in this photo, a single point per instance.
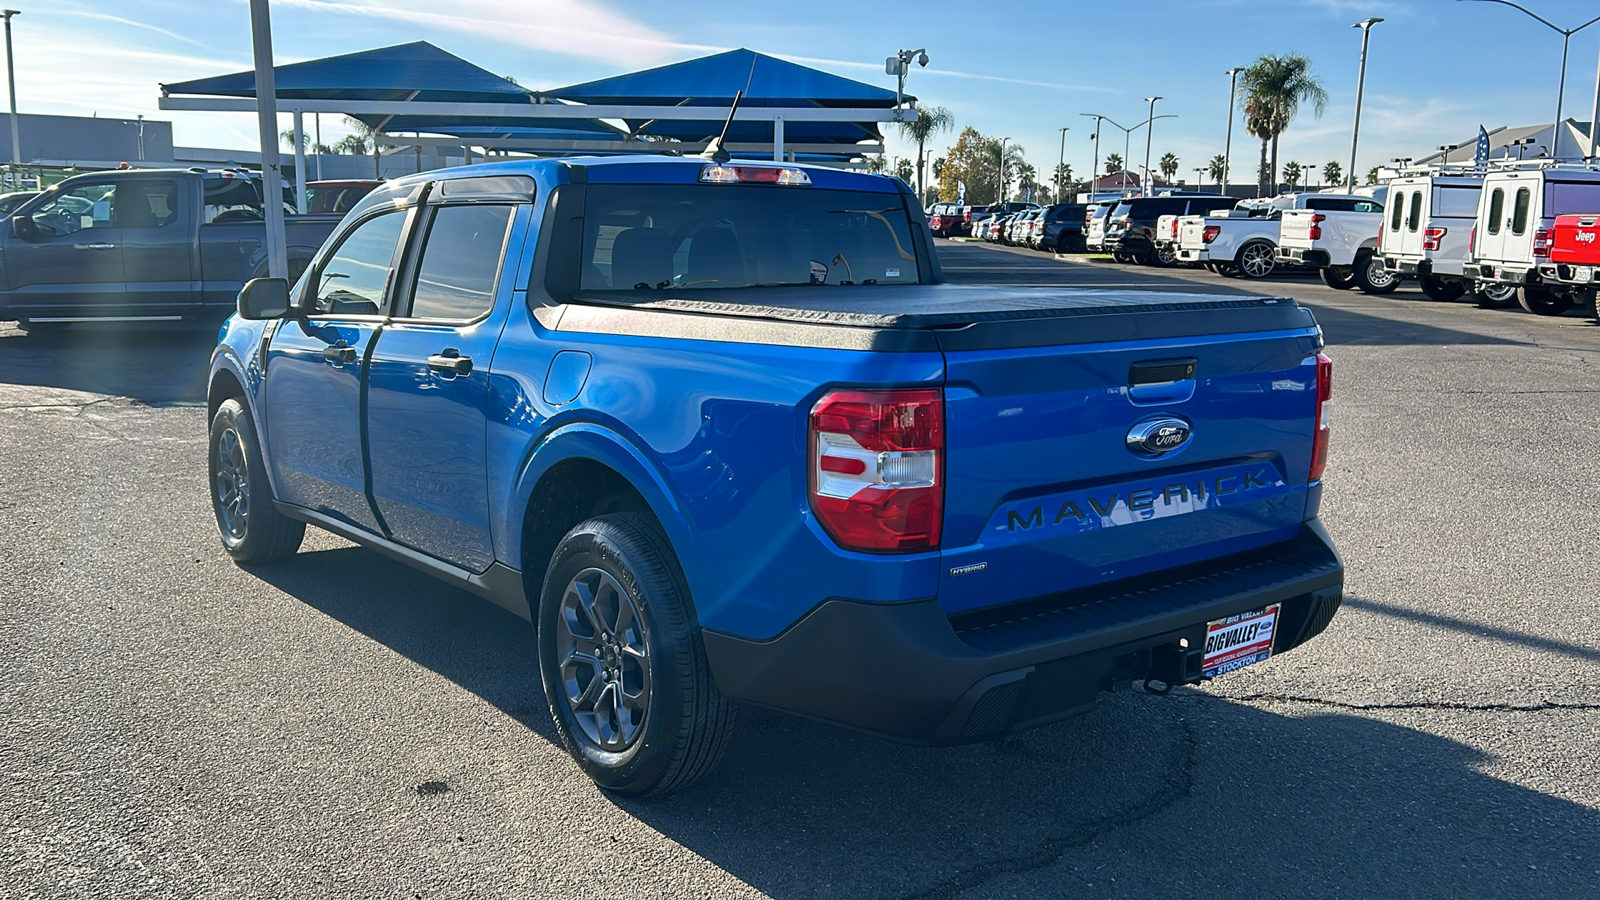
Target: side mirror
pixel 264 298
pixel 23 228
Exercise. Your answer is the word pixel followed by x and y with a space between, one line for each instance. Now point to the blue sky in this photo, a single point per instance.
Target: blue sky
pixel 1437 68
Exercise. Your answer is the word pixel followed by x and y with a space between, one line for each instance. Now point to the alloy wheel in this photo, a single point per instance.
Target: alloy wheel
pixel 233 485
pixel 605 659
pixel 1257 261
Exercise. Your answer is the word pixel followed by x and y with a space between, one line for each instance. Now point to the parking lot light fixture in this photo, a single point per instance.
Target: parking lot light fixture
pixel 1094 170
pixel 1227 143
pixel 1149 131
pixel 11 85
pixel 1361 83
pixel 1003 170
pixel 1561 87
pixel 1061 186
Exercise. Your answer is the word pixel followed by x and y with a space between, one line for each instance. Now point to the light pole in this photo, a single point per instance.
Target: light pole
pixel 1003 170
pixel 897 66
pixel 1199 178
pixel 1149 132
pixel 1060 186
pixel 1227 144
pixel 1361 82
pixel 1561 89
pixel 11 84
pixel 1094 171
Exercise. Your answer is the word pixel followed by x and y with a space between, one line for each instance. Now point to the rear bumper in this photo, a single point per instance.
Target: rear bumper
pixel 1192 256
pixel 1300 256
pixel 1569 274
pixel 1505 274
pixel 908 672
pixel 1421 268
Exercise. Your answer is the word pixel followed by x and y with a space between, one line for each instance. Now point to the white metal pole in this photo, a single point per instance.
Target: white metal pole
pixel 1561 95
pixel 1361 83
pixel 316 119
pixel 267 122
pixel 777 138
pixel 1149 132
pixel 11 85
pixel 1227 144
pixel 1061 187
pixel 1594 117
pixel 299 161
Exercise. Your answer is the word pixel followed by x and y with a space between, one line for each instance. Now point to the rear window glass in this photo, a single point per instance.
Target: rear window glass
pixel 1519 211
pixel 1497 208
pixel 1416 210
pixel 729 236
pixel 1455 203
pixel 1394 211
pixel 1343 204
pixel 1562 197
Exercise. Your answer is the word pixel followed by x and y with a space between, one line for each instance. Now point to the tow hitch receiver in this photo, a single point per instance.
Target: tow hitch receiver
pixel 1172 665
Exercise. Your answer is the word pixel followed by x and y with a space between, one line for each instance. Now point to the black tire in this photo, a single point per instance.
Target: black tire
pixel 1494 295
pixel 627 567
pixel 1441 290
pixel 1543 301
pixel 1371 277
pixel 1256 259
pixel 252 529
pixel 1165 256
pixel 1226 270
pixel 36 329
pixel 1338 278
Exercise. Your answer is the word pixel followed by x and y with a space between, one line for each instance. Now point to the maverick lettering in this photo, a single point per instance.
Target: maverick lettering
pixel 1102 506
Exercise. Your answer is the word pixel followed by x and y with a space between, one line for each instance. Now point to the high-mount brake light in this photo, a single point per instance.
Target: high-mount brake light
pixel 1315 233
pixel 1319 444
pixel 877 479
pixel 1541 243
pixel 736 174
pixel 1211 232
pixel 1432 238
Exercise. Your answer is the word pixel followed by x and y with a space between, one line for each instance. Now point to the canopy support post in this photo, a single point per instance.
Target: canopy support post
pixel 267 123
pixel 777 138
pixel 299 161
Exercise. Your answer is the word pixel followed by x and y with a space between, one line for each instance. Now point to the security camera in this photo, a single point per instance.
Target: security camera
pixel 922 60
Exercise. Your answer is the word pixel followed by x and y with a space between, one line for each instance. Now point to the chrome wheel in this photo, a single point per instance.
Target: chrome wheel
pixel 605 659
pixel 1378 276
pixel 232 485
pixel 1256 261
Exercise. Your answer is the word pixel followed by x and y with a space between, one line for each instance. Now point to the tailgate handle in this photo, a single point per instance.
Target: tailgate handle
pixel 1161 371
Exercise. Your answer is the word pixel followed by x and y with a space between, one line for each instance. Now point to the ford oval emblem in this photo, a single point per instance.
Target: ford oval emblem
pixel 1159 437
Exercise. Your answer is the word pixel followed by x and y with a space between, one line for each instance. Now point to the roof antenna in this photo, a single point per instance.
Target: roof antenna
pixel 715 151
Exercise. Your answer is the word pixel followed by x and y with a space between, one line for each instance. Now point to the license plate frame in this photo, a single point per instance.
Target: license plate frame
pixel 1583 274
pixel 1240 640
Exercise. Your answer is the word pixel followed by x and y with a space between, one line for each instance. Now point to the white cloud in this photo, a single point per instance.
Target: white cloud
pixel 85 14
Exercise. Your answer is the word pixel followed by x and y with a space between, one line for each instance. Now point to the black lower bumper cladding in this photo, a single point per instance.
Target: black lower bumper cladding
pixel 911 673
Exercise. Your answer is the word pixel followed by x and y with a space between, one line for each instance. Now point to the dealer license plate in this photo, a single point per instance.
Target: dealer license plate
pixel 1583 274
pixel 1238 641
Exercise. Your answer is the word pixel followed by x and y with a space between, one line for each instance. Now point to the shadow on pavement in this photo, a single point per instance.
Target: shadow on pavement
pixel 1189 795
pixel 153 363
pixel 1343 326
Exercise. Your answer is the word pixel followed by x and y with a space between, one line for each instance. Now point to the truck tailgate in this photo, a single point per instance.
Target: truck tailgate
pixel 1046 491
pixel 1191 232
pixel 1294 229
pixel 1576 240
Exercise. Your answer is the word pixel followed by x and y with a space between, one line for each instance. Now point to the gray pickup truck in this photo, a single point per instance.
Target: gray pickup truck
pixel 141 244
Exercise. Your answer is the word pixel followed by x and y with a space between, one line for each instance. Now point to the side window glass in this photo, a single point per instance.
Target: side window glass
pixel 460 262
pixel 1394 213
pixel 1416 210
pixel 146 204
pixel 1519 211
pixel 230 200
pixel 83 207
pixel 1497 208
pixel 354 278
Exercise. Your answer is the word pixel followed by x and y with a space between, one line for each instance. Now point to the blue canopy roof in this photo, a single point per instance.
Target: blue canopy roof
pixel 415 71
pixel 712 81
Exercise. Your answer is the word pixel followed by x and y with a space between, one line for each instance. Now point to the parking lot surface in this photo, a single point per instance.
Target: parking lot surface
pixel 176 726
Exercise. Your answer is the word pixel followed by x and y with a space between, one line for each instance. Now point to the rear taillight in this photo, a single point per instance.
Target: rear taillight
pixel 1472 241
pixel 877 480
pixel 1211 232
pixel 1174 229
pixel 1433 237
pixel 1148 232
pixel 1315 233
pixel 1541 243
pixel 1319 444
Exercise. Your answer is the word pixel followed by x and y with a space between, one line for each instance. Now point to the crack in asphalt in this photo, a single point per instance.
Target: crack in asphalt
pixel 1051 850
pixel 1442 705
pixel 80 407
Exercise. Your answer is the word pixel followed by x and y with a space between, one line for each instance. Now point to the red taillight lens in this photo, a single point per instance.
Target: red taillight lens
pixel 1541 243
pixel 1315 233
pixel 1174 229
pixel 1211 232
pixel 1148 232
pixel 877 480
pixel 1432 238
pixel 1319 444
pixel 1472 240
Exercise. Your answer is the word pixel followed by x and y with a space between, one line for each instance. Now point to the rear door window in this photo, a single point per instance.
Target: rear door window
pixel 1519 211
pixel 1415 214
pixel 1455 203
pixel 1497 209
pixel 1395 211
pixel 460 262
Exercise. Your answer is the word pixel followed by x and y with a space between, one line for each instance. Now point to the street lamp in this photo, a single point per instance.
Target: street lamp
pixel 1003 171
pixel 1561 89
pixel 1149 132
pixel 11 84
pixel 897 66
pixel 1060 186
pixel 1361 83
pixel 1227 144
pixel 1094 171
pixel 1199 178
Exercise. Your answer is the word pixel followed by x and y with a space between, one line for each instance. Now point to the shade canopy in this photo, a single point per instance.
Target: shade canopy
pixel 416 71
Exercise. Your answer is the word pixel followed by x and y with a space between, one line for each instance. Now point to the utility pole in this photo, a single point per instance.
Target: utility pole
pixel 1094 172
pixel 267 121
pixel 11 84
pixel 1061 187
pixel 1149 131
pixel 1227 144
pixel 1361 82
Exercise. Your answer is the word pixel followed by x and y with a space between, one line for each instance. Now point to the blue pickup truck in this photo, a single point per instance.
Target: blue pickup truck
pixel 722 432
pixel 141 244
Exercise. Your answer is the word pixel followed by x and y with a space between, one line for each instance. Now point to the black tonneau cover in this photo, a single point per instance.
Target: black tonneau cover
pixel 980 316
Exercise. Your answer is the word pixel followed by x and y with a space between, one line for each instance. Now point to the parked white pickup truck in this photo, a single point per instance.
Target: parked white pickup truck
pixel 1516 216
pixel 1427 234
pixel 1245 240
pixel 1341 241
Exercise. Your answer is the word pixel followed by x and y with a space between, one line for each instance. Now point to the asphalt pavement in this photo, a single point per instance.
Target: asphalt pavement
pixel 341 726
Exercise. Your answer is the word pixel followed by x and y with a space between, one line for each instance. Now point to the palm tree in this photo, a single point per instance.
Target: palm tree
pixel 1291 173
pixel 1012 163
pixel 1257 121
pixel 1063 180
pixel 1216 167
pixel 929 122
pixel 876 163
pixel 368 136
pixel 1332 172
pixel 1274 87
pixel 1027 177
pixel 1168 166
pixel 1113 163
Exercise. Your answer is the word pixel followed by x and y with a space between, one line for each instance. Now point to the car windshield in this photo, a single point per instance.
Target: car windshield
pixel 652 237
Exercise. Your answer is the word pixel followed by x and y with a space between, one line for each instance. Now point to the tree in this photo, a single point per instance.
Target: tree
pixel 1063 180
pixel 1292 173
pixel 368 135
pixel 287 136
pixel 904 168
pixel 877 163
pixel 1168 166
pixel 1027 178
pixel 1274 87
pixel 967 162
pixel 1217 167
pixel 1332 172
pixel 929 122
pixel 1113 163
pixel 1372 175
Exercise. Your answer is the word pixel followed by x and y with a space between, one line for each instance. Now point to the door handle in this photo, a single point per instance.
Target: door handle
pixel 451 360
pixel 102 246
pixel 340 352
